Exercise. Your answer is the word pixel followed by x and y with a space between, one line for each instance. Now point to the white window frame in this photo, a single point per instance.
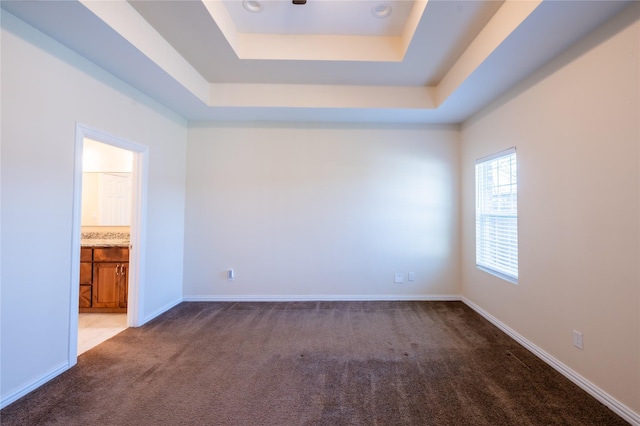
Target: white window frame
pixel 497 214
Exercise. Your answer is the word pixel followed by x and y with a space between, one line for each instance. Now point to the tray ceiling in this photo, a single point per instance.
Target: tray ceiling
pixel 328 60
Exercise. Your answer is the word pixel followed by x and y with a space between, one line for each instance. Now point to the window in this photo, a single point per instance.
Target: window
pixel 497 214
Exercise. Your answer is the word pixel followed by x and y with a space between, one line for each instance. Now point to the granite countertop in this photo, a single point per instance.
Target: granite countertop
pixel 104 239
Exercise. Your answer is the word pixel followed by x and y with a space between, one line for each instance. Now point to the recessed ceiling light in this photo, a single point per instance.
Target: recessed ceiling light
pixel 381 11
pixel 252 5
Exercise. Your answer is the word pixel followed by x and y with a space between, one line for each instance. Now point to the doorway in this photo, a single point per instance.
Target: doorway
pixel 104 242
pixel 108 238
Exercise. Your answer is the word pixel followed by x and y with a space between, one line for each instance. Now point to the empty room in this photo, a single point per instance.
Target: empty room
pixel 320 212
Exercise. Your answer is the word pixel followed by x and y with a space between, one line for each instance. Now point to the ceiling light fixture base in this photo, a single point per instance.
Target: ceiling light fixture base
pixel 381 11
pixel 252 5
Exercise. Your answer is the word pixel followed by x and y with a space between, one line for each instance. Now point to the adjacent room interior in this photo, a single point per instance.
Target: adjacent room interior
pixel 298 154
pixel 105 241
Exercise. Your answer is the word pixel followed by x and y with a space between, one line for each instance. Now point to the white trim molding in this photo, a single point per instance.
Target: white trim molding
pixel 616 406
pixel 161 311
pixel 137 228
pixel 321 298
pixel 19 393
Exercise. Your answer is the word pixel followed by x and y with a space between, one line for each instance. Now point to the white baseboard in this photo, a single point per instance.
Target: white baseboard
pixel 161 310
pixel 320 298
pixel 19 393
pixel 616 406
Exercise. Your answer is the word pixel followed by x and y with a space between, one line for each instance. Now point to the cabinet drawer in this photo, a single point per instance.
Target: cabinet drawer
pixel 111 254
pixel 86 273
pixel 85 296
pixel 86 254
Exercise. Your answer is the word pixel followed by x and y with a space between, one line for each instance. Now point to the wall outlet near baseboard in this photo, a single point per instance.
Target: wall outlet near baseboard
pixel 231 275
pixel 411 276
pixel 399 278
pixel 577 339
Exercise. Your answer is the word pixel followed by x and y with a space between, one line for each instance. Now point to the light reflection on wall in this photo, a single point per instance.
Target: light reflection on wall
pixel 100 157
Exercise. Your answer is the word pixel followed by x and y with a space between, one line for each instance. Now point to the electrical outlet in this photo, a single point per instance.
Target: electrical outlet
pixel 399 278
pixel 577 339
pixel 231 275
pixel 411 276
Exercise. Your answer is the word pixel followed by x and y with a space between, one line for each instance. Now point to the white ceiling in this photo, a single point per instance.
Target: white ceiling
pixel 328 60
pixel 317 17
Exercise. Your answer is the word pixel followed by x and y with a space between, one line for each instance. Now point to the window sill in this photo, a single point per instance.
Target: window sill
pixel 498 274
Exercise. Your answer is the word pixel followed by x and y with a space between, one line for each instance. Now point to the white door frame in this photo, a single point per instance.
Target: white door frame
pixel 137 230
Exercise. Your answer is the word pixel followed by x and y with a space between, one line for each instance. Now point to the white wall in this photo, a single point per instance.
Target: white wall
pixel 98 158
pixel 576 128
pixel 321 212
pixel 46 89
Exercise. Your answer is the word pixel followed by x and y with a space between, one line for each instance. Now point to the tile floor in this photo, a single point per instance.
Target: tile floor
pixel 94 329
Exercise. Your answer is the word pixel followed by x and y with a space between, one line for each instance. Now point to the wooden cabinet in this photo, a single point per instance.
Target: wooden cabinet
pixel 86 276
pixel 104 279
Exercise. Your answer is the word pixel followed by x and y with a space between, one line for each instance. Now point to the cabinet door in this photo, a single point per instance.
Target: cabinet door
pixel 106 291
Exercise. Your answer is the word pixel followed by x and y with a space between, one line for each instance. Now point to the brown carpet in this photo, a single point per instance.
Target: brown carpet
pixel 311 363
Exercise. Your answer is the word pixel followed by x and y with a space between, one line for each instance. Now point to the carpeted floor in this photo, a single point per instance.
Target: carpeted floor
pixel 311 363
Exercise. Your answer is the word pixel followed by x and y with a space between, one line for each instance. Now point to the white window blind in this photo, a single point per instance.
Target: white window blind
pixel 497 214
